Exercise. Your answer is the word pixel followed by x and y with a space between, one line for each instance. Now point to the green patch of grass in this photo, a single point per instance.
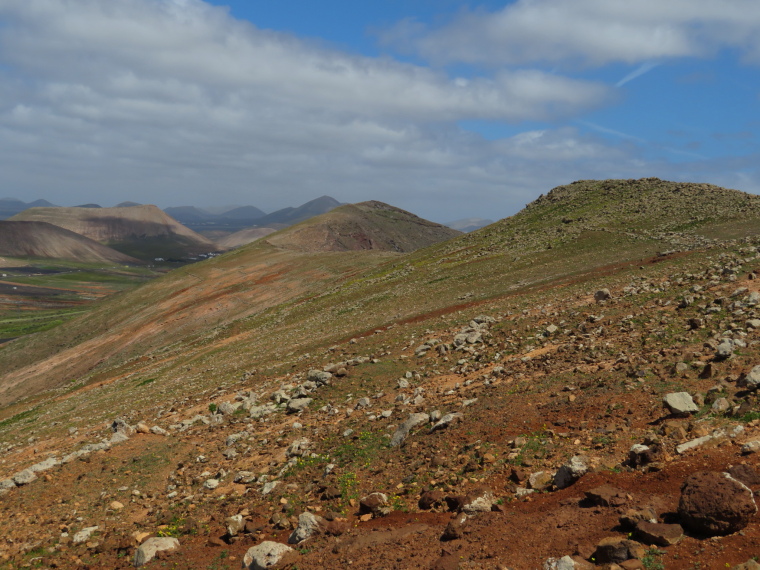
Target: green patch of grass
pixel 750 416
pixel 145 382
pixel 653 559
pixel 24 323
pixel 348 483
pixel 362 450
pixel 25 415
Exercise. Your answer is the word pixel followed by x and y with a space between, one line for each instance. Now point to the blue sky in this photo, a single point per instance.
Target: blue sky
pixel 444 108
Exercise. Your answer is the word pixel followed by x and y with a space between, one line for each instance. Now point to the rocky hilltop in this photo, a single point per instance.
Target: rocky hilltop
pixel 365 226
pixel 572 387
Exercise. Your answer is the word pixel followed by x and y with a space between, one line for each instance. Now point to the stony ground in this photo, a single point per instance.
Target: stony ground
pixel 526 432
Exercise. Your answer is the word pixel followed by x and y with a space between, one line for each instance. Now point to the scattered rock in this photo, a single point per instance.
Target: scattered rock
pixel 570 472
pixel 375 504
pixel 478 500
pixel 632 517
pixel 431 499
pixel 725 350
pixel 403 430
pixel 308 525
pixel 84 535
pixel 714 503
pixel 564 563
pixel 455 529
pixel 298 404
pixel 540 480
pixel 148 549
pixel 235 524
pixel 606 496
pixel 657 533
pixel 265 555
pixel 602 295
pixel 680 403
pixel 751 447
pixel 752 378
pixel 446 421
pixel 611 550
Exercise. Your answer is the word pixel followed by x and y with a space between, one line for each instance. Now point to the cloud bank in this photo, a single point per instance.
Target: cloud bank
pixel 177 102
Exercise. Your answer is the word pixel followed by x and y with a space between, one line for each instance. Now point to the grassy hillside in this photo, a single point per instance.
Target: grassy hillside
pixel 255 306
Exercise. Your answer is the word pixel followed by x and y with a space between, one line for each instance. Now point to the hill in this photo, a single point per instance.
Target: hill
pixel 244 237
pixel 509 378
pixel 364 226
pixel 40 239
pixel 242 213
pixel 144 232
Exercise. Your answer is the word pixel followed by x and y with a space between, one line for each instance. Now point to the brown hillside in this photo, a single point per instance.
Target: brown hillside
pixel 369 225
pixel 244 237
pixel 143 231
pixel 495 401
pixel 41 239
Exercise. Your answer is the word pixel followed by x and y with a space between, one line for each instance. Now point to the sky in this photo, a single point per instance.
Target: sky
pixel 445 108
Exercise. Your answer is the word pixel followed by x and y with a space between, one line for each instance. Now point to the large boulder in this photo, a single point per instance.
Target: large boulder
pixel 148 549
pixel 680 403
pixel 714 503
pixel 265 555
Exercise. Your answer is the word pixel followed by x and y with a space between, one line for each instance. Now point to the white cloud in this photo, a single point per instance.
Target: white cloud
pixel 591 32
pixel 176 102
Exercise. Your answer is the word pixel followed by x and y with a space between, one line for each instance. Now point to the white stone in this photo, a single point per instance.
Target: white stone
pixel 84 534
pixel 680 403
pixel 308 525
pixel 148 549
pixel 265 555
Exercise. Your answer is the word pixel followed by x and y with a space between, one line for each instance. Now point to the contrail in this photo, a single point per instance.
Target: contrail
pixel 638 72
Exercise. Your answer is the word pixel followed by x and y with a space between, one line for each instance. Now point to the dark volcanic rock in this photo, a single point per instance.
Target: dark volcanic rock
pixel 657 533
pixel 714 503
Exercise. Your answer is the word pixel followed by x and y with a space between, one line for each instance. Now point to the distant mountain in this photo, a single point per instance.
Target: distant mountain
pixel 243 213
pixel 40 239
pixel 308 210
pixel 189 214
pixel 467 225
pixel 89 206
pixel 12 206
pixel 127 204
pixel 144 232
